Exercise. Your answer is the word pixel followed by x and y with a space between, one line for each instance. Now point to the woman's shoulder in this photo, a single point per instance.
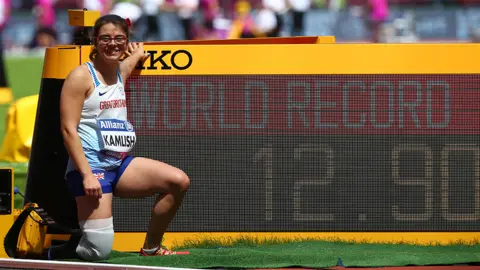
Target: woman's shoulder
pixel 78 80
pixel 80 76
pixel 81 72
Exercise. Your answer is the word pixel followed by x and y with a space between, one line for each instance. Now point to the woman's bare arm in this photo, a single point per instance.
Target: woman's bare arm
pixel 74 91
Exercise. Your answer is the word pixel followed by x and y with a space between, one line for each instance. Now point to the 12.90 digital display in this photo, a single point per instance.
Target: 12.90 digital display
pixel 313 152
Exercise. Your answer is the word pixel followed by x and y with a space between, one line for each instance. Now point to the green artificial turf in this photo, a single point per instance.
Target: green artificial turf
pixel 312 254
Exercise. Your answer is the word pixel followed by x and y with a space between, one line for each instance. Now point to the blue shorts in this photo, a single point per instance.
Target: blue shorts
pixel 108 179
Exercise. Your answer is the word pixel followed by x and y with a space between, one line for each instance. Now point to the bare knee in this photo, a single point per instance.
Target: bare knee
pixel 181 181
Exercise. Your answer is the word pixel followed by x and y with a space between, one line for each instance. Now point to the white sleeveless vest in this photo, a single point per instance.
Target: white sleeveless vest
pixel 105 132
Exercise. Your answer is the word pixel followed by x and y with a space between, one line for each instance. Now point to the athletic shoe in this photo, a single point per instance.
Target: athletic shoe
pixel 163 252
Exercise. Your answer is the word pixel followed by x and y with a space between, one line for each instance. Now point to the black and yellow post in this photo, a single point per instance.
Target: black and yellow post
pixel 48 157
pixel 83 21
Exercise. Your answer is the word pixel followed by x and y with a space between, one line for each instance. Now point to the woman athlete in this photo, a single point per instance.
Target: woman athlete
pixel 93 114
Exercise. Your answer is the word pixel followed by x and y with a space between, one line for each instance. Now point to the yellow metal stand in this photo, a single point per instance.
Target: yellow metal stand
pixel 82 18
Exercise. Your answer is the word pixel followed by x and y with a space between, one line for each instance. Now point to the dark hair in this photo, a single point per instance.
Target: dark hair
pixel 106 19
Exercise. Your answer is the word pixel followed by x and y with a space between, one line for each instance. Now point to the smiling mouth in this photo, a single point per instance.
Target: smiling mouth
pixel 112 51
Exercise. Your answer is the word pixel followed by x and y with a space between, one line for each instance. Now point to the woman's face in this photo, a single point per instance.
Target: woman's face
pixel 111 42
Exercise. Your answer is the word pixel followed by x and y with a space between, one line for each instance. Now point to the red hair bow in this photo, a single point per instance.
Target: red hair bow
pixel 129 23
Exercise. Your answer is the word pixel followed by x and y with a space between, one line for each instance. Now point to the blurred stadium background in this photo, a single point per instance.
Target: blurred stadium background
pixel 28 26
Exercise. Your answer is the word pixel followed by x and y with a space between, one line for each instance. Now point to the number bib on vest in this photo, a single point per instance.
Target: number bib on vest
pixel 117 135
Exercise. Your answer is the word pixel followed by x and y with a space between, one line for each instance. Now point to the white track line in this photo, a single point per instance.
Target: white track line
pixel 43 264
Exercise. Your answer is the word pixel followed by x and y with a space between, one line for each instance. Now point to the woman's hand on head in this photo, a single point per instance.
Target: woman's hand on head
pixel 135 53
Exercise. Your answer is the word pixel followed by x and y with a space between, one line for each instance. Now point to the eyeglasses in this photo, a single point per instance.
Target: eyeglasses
pixel 118 39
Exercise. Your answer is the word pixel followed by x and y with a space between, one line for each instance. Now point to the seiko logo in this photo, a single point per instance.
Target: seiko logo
pixel 167 60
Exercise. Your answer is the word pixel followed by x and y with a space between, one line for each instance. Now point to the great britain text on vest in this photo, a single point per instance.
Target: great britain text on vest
pixel 113 104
